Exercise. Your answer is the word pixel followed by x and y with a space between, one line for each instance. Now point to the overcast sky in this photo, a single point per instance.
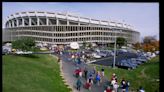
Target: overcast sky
pixel 144 17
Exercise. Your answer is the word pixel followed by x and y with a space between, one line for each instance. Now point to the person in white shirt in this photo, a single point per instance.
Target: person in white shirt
pixel 115 86
pixel 141 89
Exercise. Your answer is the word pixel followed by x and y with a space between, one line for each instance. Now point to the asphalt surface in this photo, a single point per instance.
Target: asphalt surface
pixel 68 69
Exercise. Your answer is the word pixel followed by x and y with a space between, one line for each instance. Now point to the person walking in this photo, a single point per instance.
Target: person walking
pixel 88 84
pixel 127 86
pixel 98 78
pixel 123 85
pixel 115 87
pixel 141 89
pixel 108 89
pixel 102 74
pixel 94 69
pixel 85 73
pixel 78 84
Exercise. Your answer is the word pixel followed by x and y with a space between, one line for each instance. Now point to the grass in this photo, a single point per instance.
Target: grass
pixel 39 73
pixel 145 75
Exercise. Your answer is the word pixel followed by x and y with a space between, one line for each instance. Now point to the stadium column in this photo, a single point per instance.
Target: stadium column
pixel 17 22
pixel 67 22
pixel 57 21
pixel 6 24
pixel 29 21
pixel 108 23
pixel 89 21
pixel 9 24
pixel 78 21
pixel 99 22
pixel 67 19
pixel 12 23
pixel 38 21
pixel 47 21
pixel 22 21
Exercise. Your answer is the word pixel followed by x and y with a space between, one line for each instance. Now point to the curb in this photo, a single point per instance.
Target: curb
pixel 62 75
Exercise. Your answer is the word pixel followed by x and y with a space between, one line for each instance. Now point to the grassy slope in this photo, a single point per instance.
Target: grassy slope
pixel 144 75
pixel 37 74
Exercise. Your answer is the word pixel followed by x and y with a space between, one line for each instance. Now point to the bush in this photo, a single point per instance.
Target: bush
pixel 24 44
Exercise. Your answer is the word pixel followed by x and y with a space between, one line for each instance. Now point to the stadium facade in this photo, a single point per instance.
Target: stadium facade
pixel 64 28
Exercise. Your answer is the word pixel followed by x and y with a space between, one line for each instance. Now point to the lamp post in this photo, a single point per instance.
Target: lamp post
pixel 114 60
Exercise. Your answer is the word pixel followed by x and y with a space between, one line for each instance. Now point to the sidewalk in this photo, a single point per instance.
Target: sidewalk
pixel 68 68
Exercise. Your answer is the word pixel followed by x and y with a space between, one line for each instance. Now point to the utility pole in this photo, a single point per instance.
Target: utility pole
pixel 114 50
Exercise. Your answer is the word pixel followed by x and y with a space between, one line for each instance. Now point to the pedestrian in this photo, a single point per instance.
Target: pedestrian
pixel 113 81
pixel 115 87
pixel 73 57
pixel 88 84
pixel 102 74
pixel 85 73
pixel 76 72
pixel 78 60
pixel 94 69
pixel 127 86
pixel 141 89
pixel 80 73
pixel 78 84
pixel 98 78
pixel 123 85
pixel 108 89
pixel 114 76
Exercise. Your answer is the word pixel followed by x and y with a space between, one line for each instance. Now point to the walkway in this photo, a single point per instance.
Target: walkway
pixel 69 67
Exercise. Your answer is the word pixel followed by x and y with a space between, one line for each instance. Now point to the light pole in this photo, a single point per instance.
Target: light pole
pixel 114 60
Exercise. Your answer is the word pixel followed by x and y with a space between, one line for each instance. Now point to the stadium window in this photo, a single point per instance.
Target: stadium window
pixel 70 28
pixel 74 28
pixel 57 28
pixel 80 27
pixel 67 28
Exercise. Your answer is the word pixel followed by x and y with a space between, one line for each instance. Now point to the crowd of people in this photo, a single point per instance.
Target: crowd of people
pixel 96 77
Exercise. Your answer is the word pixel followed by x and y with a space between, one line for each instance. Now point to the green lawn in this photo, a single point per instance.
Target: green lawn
pixel 145 75
pixel 39 73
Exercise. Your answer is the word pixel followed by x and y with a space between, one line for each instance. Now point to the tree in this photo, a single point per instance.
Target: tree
pixel 84 44
pixel 150 44
pixel 89 45
pixel 24 44
pixel 137 45
pixel 120 41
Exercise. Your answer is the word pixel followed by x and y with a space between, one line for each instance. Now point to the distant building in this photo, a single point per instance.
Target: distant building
pixel 59 28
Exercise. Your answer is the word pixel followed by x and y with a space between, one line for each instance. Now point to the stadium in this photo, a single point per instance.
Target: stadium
pixel 64 28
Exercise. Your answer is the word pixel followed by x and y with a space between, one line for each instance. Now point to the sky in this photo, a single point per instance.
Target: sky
pixel 144 17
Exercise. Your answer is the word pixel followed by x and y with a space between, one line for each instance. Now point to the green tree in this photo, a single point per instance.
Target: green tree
pixel 137 45
pixel 89 45
pixel 24 44
pixel 84 44
pixel 121 41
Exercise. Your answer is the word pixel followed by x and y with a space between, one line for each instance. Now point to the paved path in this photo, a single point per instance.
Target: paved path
pixel 69 67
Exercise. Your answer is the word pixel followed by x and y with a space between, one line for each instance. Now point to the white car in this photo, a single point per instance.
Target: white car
pixel 19 52
pixel 157 52
pixel 95 55
pixel 28 52
pixel 153 55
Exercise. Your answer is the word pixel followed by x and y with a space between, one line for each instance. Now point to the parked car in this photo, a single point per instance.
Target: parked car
pixel 157 52
pixel 95 55
pixel 126 64
pixel 19 52
pixel 133 60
